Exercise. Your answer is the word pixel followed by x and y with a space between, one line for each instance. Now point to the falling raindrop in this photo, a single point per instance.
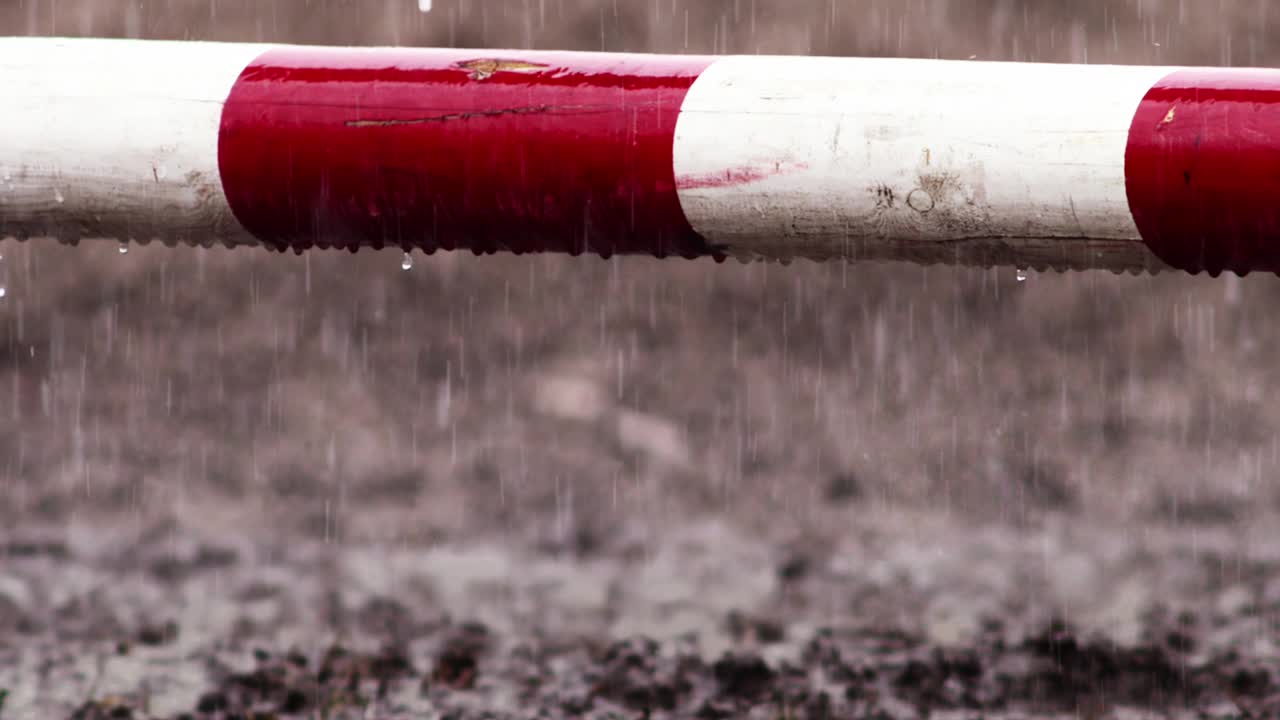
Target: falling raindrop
pixel 1022 275
pixel 407 262
pixel 57 195
pixel 424 5
pixel 3 291
pixel 123 249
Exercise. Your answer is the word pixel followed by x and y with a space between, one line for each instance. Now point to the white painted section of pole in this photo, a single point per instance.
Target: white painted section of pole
pixel 930 161
pixel 115 138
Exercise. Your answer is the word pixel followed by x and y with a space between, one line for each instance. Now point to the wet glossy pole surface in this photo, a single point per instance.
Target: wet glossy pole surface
pixel 1203 170
pixel 449 149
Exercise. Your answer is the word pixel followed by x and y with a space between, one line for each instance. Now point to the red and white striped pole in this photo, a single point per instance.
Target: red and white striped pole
pixel 1035 165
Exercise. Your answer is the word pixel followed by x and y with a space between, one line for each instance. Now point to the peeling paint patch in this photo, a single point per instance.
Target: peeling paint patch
pixel 485 68
pixel 939 184
pixel 884 196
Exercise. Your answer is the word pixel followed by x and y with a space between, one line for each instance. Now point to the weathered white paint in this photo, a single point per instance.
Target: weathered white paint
pixel 924 160
pixel 115 138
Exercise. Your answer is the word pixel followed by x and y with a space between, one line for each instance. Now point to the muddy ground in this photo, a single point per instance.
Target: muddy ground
pixel 239 484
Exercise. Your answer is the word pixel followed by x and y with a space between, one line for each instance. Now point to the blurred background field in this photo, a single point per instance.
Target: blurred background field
pixel 241 378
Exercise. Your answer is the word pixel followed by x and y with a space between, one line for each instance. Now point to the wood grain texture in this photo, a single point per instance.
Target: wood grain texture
pixel 115 139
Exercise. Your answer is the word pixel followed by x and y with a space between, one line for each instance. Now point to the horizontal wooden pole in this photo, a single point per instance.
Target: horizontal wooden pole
pixel 290 147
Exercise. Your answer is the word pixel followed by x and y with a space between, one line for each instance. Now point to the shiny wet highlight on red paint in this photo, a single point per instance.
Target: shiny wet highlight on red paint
pixel 1202 170
pixel 451 149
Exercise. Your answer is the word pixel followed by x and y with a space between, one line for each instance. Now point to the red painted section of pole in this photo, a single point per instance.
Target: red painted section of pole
pixel 1202 170
pixel 446 149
